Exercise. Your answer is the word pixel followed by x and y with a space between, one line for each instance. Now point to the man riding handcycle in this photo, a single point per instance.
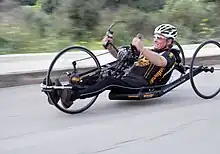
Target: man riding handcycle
pixel 153 67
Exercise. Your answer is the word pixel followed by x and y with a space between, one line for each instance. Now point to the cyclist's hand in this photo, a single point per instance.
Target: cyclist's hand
pixel 105 41
pixel 138 43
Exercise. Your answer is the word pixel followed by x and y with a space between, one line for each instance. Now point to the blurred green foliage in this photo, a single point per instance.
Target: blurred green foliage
pixel 26 2
pixel 49 25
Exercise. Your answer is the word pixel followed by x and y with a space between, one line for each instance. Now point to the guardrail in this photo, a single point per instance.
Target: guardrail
pixel 41 61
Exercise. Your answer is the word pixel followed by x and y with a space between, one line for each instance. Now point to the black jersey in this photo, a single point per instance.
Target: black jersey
pixel 143 72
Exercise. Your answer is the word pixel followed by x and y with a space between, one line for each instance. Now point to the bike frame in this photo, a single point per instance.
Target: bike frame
pixel 138 93
pixel 157 90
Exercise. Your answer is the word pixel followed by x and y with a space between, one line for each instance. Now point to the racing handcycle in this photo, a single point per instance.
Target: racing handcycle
pixel 127 55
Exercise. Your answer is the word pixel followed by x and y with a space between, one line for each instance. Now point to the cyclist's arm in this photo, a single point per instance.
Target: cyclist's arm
pixel 109 47
pixel 155 58
pixel 112 51
pixel 159 60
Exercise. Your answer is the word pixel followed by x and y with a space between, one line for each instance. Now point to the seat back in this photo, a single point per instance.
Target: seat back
pixel 178 66
pixel 176 53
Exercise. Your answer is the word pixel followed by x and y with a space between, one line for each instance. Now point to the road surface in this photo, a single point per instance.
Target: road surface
pixel 179 122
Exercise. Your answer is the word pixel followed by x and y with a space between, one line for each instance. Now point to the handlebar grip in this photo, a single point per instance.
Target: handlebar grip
pixel 140 36
pixel 105 45
pixel 109 34
pixel 134 50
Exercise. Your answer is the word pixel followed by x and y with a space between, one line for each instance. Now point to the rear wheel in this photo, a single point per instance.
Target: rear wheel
pixel 183 60
pixel 90 66
pixel 177 74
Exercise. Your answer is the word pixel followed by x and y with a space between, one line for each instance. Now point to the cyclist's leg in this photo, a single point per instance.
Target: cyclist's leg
pixel 68 96
pixel 106 84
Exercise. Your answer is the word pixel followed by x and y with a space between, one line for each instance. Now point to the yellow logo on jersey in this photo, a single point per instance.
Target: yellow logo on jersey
pixel 171 55
pixel 158 74
pixel 143 61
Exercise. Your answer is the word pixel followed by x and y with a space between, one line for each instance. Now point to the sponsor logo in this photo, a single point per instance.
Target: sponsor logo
pixel 171 55
pixel 158 74
pixel 148 95
pixel 143 61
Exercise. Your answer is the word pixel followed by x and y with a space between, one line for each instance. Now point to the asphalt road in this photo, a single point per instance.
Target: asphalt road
pixel 179 122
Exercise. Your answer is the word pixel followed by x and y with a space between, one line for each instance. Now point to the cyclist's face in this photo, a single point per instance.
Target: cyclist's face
pixel 160 41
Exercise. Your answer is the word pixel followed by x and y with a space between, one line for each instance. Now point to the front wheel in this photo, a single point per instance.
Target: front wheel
pixel 89 66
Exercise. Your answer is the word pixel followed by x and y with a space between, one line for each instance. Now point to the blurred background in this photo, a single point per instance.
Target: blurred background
pixel 32 26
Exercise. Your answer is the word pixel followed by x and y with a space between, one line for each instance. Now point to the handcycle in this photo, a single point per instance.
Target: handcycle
pixel 118 68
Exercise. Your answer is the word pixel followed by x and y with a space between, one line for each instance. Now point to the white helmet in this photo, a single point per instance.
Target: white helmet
pixel 167 30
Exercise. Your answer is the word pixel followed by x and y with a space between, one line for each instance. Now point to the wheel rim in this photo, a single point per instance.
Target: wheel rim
pixel 191 71
pixel 182 53
pixel 183 61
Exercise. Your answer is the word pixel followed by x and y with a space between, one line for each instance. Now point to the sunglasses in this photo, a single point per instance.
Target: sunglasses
pixel 158 37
